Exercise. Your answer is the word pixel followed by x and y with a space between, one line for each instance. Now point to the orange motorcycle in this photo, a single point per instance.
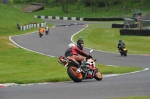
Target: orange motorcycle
pixel 86 70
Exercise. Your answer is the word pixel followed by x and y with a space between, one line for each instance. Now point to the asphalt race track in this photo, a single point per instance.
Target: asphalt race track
pixel 54 44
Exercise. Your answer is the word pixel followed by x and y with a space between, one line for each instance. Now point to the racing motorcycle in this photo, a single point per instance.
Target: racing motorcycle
pixel 86 70
pixel 40 34
pixel 123 52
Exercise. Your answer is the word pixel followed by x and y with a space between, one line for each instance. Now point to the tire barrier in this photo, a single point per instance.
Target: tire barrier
pixel 103 19
pixel 79 19
pixel 131 26
pixel 58 18
pixel 124 26
pixel 135 32
pixel 29 26
pixel 117 25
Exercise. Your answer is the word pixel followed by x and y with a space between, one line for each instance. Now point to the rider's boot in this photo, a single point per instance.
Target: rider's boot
pixel 79 67
pixel 77 64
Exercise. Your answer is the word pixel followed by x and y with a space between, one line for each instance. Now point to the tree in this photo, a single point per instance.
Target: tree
pixel 79 2
pixel 106 5
pixel 64 4
pixel 139 4
pixel 91 4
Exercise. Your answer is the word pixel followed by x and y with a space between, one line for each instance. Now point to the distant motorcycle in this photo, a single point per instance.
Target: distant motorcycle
pixel 86 71
pixel 123 51
pixel 40 34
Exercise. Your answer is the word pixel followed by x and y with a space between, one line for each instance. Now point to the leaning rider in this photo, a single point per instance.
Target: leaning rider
pixel 80 43
pixel 75 54
pixel 121 44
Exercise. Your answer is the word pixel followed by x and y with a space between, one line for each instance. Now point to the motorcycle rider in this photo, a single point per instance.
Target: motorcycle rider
pixel 121 44
pixel 41 31
pixel 80 43
pixel 75 54
pixel 46 29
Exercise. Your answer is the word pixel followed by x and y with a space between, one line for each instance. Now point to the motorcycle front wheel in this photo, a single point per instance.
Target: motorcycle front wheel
pixel 98 76
pixel 76 77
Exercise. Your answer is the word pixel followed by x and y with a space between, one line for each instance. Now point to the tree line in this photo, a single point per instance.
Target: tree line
pixel 93 4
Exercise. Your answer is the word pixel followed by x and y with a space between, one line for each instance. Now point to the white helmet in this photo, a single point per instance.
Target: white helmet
pixel 71 44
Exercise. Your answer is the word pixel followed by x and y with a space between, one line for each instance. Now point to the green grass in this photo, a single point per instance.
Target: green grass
pixel 138 97
pixel 10 17
pixel 21 66
pixel 98 37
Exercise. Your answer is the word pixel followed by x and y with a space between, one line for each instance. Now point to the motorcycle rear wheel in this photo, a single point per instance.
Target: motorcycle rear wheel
pixel 98 76
pixel 125 54
pixel 76 77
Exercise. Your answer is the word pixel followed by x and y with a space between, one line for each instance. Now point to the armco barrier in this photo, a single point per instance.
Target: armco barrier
pixel 29 26
pixel 135 32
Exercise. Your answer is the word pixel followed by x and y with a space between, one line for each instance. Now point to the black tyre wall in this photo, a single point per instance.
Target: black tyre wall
pixel 135 32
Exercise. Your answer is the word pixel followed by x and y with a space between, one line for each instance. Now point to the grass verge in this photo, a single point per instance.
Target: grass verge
pixel 101 37
pixel 21 66
pixel 138 97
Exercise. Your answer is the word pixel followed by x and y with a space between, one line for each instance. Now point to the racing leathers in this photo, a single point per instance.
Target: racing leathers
pixel 75 54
